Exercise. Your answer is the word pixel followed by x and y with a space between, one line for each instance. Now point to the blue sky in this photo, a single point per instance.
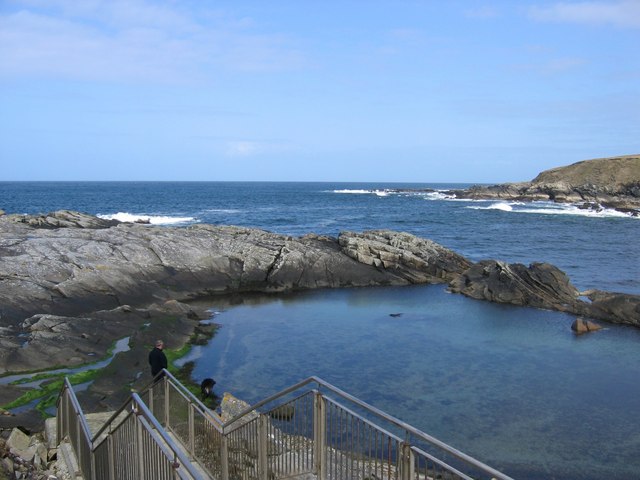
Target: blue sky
pixel 389 91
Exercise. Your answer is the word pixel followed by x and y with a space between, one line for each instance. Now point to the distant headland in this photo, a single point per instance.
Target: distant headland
pixel 612 182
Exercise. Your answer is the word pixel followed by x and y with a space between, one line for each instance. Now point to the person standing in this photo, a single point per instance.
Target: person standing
pixel 157 359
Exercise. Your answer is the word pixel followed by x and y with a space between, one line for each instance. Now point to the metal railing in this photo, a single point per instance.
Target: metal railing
pixel 314 433
pixel 197 428
pixel 72 425
pixel 131 445
pixel 304 431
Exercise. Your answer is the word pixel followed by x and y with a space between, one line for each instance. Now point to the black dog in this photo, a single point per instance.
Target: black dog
pixel 206 388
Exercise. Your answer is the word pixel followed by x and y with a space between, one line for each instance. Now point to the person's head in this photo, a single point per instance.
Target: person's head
pixel 159 344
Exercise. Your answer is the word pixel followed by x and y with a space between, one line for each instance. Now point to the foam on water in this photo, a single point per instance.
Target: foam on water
pixel 352 191
pixel 378 192
pixel 439 195
pixel 150 219
pixel 505 207
pixel 552 209
pixel 223 210
pixel 549 208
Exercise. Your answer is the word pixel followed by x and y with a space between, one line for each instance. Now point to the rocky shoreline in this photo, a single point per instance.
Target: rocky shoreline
pixel 603 183
pixel 598 185
pixel 72 284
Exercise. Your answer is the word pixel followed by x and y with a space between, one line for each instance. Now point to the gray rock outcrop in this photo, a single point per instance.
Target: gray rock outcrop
pixel 70 271
pixel 414 259
pixel 539 285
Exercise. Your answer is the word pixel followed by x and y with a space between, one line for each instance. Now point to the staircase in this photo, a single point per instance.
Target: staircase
pixel 311 430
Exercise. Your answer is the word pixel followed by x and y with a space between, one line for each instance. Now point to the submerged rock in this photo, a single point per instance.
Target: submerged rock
pixel 580 326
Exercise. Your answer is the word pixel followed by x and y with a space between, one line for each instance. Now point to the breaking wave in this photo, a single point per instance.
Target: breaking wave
pixel 548 208
pixel 379 193
pixel 150 219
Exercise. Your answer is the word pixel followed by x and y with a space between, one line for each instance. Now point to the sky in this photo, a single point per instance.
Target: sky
pixel 325 90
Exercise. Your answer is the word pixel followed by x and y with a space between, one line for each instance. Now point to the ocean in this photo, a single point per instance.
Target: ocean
pixel 511 386
pixel 597 250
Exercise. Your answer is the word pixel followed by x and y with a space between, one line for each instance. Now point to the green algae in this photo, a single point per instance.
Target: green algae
pixel 52 382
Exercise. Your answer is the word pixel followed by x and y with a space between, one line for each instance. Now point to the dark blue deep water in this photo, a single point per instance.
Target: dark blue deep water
pixel 512 386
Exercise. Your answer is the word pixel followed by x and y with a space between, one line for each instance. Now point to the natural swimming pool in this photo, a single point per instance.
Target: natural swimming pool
pixel 511 386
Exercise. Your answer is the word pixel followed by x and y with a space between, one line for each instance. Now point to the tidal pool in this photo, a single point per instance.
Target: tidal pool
pixel 513 387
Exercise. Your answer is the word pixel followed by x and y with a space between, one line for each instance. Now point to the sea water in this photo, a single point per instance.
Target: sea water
pixel 511 386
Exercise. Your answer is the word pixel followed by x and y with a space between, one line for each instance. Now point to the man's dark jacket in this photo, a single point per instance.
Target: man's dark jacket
pixel 157 360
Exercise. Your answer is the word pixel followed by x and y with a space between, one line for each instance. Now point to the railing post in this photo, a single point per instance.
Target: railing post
pixel 166 401
pixel 61 414
pixel 151 405
pixel 140 448
pixel 112 456
pixel 263 447
pixel 224 457
pixel 407 462
pixel 320 435
pixel 92 456
pixel 192 432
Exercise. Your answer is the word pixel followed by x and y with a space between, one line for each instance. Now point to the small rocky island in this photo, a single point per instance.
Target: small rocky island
pixel 71 284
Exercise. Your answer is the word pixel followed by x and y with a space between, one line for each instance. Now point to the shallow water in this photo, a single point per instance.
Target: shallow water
pixel 512 386
pixel 121 345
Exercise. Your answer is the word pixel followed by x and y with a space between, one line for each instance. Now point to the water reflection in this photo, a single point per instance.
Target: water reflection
pixel 512 386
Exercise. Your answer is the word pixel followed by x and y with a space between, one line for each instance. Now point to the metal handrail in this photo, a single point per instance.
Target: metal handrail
pixel 192 398
pixel 66 386
pixel 270 399
pixel 172 451
pixel 419 433
pixel 172 446
pixel 376 411
pixel 259 430
pixel 109 423
pixel 80 441
pixel 153 382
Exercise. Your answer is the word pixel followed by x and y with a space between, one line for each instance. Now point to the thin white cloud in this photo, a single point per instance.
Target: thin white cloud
pixel 134 41
pixel 624 13
pixel 32 44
